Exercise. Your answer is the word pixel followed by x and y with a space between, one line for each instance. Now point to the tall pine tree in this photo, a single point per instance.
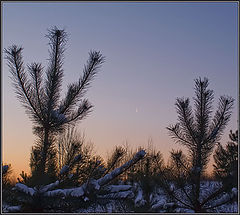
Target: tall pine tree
pixel 199 134
pixel 41 97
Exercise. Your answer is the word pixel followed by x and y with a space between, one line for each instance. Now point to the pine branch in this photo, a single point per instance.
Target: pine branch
pixel 117 155
pixel 83 110
pixel 77 90
pixel 203 107
pixel 233 136
pixel 173 195
pixel 178 158
pixel 21 83
pixel 57 43
pixel 176 133
pixel 221 118
pixel 107 178
pixel 213 195
pixel 186 120
pixel 36 71
pixel 223 202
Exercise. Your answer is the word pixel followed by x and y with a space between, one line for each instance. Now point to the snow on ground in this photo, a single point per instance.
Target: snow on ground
pixel 7 208
pixel 126 198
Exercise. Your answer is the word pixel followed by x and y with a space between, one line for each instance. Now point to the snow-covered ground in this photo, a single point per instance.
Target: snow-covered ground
pixel 131 198
pixel 159 203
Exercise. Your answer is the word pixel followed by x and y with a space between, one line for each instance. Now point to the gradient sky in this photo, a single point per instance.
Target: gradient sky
pixel 154 51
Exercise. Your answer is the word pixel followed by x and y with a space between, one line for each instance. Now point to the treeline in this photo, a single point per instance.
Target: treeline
pixel 149 174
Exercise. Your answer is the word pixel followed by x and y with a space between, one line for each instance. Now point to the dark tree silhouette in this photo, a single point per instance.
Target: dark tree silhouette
pixel 199 135
pixel 6 173
pixel 226 162
pixel 41 97
pixel 69 146
pixel 77 162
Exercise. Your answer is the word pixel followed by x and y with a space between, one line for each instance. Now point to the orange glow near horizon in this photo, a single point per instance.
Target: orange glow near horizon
pixel 19 160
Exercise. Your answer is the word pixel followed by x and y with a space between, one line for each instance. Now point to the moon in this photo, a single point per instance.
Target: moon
pixel 136 110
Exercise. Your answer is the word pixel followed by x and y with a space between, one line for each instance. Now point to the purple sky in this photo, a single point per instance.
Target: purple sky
pixel 154 51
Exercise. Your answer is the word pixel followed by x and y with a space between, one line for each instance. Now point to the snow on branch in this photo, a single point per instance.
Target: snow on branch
pixel 117 188
pixel 107 178
pixel 25 189
pixel 118 195
pixel 49 186
pixel 31 191
pixel 139 200
pixel 75 192
pixel 96 184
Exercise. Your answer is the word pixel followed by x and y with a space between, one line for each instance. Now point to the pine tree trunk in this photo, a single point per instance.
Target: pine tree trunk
pixel 44 151
pixel 198 178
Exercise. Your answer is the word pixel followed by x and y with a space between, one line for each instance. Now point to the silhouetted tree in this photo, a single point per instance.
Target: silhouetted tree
pixel 6 175
pixel 77 162
pixel 114 160
pixel 143 176
pixel 8 183
pixel 146 174
pixel 226 162
pixel 41 98
pixel 69 145
pixel 199 135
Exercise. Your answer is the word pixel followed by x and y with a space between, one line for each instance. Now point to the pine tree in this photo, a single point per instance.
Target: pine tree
pixel 226 162
pixel 76 160
pixel 8 183
pixel 146 175
pixel 199 135
pixel 6 173
pixel 41 97
pixel 69 145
